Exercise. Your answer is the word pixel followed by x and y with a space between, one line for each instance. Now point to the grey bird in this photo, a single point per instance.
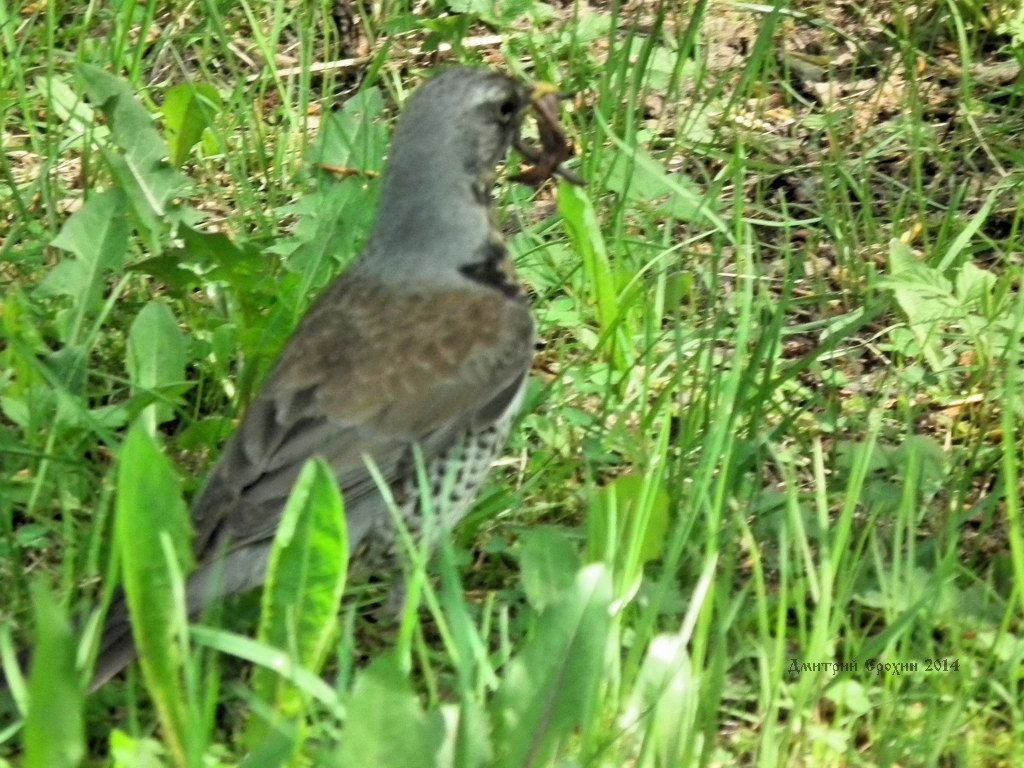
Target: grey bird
pixel 424 342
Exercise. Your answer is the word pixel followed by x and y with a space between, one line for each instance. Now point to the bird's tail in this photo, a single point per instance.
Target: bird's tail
pixel 236 572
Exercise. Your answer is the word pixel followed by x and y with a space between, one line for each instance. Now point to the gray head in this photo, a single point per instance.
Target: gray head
pixel 434 208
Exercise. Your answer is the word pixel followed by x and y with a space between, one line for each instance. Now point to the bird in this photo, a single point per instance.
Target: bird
pixel 419 352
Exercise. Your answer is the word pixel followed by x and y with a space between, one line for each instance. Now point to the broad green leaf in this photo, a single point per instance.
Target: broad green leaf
pixel 188 109
pixel 484 8
pixel 925 296
pixel 54 726
pixel 639 178
pixel 908 273
pixel 129 752
pixel 628 522
pixel 852 695
pixel 335 220
pixel 307 569
pixel 497 14
pixel 974 285
pixel 97 234
pixel 548 563
pixel 156 357
pixel 274 751
pixel 585 232
pixel 152 528
pixel 548 689
pixel 69 106
pixel 685 201
pixel 386 725
pixel 467 741
pixel 305 582
pixel 212 256
pixel 143 170
pixel 665 699
pixel 353 138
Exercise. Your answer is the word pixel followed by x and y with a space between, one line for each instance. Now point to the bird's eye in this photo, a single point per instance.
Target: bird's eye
pixel 507 109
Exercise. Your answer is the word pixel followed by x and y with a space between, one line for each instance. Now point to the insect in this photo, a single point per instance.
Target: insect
pixel 555 148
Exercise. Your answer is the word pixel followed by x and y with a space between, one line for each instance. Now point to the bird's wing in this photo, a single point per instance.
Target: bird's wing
pixel 364 375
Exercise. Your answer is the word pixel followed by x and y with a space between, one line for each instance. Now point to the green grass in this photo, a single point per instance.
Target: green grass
pixel 771 440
